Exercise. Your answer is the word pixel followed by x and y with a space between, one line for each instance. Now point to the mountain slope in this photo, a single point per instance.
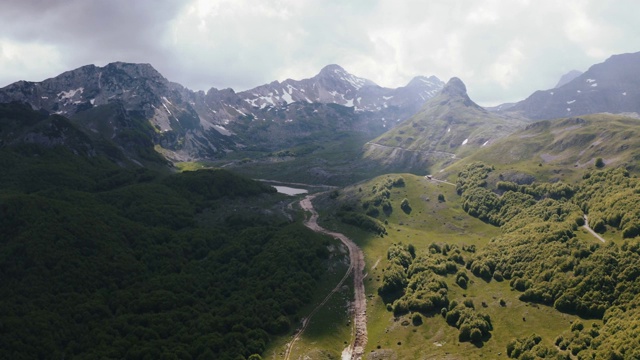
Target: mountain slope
pixel 612 86
pixel 554 149
pixel 449 125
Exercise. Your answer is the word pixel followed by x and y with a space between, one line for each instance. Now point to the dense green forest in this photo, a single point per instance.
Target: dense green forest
pixel 540 256
pixel 101 261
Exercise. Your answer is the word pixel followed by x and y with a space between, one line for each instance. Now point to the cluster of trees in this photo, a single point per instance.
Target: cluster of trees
pixel 379 196
pixel 578 339
pixel 417 283
pixel 372 203
pixel 540 256
pixel 101 261
pixel 362 221
pixel 530 348
pixel 474 326
pixel 612 199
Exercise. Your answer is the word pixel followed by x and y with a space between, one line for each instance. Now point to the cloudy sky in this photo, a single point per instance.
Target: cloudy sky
pixel 502 49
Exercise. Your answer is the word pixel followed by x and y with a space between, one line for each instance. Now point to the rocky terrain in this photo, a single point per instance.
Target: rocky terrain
pixel 197 125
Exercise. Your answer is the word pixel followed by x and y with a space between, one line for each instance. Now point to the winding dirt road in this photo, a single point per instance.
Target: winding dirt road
pixel 354 351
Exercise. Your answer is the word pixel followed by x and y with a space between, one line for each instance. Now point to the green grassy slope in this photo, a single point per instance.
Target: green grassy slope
pixel 563 148
pixel 430 220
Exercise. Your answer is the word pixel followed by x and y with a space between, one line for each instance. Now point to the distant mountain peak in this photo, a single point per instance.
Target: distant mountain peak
pixel 331 69
pixel 456 90
pixel 421 80
pixel 455 87
pixel 336 72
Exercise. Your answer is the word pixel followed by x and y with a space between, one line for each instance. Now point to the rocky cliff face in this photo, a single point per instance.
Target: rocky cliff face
pixel 197 125
pixel 612 86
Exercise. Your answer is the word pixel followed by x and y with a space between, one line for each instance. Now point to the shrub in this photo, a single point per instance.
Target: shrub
pixel 404 205
pixel 416 319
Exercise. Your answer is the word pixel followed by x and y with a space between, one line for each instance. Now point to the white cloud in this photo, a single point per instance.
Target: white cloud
pixel 506 69
pixel 33 61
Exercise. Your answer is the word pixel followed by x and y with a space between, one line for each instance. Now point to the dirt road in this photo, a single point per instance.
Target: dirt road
pixel 586 226
pixel 355 350
pixel 440 181
pixel 424 152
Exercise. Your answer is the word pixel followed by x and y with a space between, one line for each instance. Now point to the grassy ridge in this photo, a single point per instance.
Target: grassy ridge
pixel 563 148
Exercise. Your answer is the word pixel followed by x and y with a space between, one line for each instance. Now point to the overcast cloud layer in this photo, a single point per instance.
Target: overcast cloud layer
pixel 502 49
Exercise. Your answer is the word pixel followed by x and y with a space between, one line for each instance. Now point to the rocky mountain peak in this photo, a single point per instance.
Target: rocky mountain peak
pixel 423 80
pixel 454 87
pixel 331 69
pixel 337 75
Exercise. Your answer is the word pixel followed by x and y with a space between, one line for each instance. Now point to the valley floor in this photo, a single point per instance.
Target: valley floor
pixel 395 337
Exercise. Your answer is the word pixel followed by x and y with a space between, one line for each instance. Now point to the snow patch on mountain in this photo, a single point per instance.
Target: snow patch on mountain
pixel 286 97
pixel 64 95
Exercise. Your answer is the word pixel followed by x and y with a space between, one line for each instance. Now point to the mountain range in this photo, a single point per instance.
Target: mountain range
pixel 136 108
pixel 197 125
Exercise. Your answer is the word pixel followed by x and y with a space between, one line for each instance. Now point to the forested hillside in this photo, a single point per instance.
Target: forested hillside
pixel 540 256
pixel 110 262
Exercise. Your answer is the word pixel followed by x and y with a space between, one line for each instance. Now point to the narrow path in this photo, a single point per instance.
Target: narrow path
pixel 425 152
pixel 305 321
pixel 440 181
pixel 586 226
pixel 354 351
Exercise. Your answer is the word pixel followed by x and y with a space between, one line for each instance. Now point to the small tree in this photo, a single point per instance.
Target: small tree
pixel 404 205
pixel 416 319
pixel 441 198
pixel 599 163
pixel 476 335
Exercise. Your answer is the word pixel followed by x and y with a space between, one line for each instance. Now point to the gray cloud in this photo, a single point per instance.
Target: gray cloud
pixel 502 49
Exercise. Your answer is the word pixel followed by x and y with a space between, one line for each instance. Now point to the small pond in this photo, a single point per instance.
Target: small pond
pixel 290 191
